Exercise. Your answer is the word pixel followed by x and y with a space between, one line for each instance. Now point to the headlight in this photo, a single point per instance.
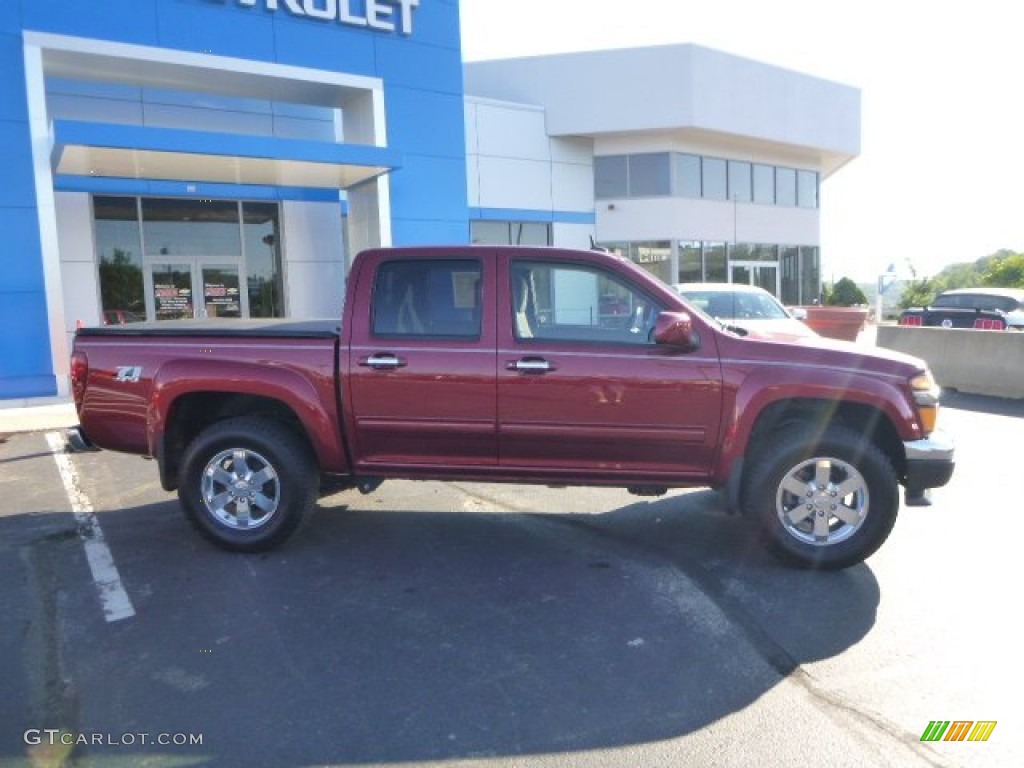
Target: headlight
pixel 926 396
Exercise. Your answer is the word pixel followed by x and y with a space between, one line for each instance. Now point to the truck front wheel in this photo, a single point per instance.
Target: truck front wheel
pixel 247 483
pixel 825 501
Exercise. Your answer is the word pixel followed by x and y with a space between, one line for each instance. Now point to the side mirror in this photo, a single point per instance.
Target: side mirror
pixel 798 313
pixel 675 329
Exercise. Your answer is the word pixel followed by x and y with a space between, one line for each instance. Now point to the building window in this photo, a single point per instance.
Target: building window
pixel 657 174
pixel 122 292
pixel 205 258
pixel 610 177
pixel 807 189
pixel 649 175
pixel 715 263
pixel 183 227
pixel 764 184
pixel 810 275
pixel 510 232
pixel 655 257
pixel 789 282
pixel 690 262
pixel 688 175
pixel 713 179
pixel 785 186
pixel 740 185
pixel 261 232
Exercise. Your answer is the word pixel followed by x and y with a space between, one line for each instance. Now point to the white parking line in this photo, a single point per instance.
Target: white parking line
pixel 116 603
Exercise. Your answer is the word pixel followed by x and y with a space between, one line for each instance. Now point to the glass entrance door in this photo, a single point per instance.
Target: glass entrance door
pixel 221 294
pixel 171 290
pixel 759 273
pixel 199 287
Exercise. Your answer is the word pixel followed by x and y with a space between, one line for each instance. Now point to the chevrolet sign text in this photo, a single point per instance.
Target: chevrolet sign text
pixel 382 15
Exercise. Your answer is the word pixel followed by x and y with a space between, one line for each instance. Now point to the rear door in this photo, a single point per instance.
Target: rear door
pixel 422 386
pixel 583 391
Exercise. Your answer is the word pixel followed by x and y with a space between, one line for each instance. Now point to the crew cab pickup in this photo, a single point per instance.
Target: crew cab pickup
pixel 522 365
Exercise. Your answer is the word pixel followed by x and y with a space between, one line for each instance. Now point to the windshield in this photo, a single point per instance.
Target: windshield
pixel 737 305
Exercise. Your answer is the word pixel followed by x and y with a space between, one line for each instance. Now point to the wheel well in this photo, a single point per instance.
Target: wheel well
pixel 866 420
pixel 192 413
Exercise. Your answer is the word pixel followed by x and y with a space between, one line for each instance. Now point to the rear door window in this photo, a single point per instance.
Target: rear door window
pixel 427 298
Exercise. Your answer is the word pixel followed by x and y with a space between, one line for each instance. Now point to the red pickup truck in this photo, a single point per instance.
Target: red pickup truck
pixel 524 365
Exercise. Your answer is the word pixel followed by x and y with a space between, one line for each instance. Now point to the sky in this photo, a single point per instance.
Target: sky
pixel 940 177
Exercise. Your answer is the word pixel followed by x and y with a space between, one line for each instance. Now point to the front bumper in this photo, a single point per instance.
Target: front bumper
pixel 929 462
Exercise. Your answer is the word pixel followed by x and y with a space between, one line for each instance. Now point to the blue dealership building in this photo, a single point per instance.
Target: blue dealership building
pixel 225 158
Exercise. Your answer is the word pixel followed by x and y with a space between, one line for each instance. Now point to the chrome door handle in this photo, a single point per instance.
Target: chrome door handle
pixel 530 365
pixel 383 362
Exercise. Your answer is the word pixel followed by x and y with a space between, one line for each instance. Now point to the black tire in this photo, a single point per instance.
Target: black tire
pixel 247 483
pixel 823 501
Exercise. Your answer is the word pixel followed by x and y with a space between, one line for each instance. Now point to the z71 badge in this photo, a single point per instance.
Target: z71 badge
pixel 128 373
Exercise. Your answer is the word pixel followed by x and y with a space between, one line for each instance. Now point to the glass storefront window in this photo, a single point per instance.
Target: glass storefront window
pixel 122 292
pixel 182 227
pixel 807 189
pixel 785 186
pixel 740 184
pixel 713 179
pixel 261 231
pixel 690 262
pixel 765 252
pixel 610 177
pixel 741 252
pixel 649 175
pixel 764 184
pixel 207 258
pixel 715 263
pixel 810 275
pixel 789 264
pixel 688 175
pixel 489 232
pixel 510 232
pixel 655 257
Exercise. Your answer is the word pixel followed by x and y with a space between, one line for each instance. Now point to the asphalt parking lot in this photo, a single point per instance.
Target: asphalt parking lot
pixel 466 624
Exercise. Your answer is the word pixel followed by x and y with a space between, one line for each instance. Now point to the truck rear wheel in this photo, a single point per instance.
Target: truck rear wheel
pixel 247 483
pixel 824 501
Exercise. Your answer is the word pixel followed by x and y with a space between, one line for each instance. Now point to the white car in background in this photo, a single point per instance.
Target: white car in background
pixel 746 307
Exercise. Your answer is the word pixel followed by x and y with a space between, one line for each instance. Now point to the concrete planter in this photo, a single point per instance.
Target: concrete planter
pixel 844 323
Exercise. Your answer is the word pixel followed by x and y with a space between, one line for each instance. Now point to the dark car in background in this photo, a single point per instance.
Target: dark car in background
pixel 982 308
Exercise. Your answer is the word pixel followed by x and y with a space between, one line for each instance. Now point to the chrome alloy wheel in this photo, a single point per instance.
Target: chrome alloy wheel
pixel 822 501
pixel 241 489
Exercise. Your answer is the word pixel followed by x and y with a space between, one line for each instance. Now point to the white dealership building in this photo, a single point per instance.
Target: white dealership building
pixel 226 158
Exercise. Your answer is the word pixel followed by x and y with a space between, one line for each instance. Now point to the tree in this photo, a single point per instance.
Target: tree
pixel 1007 272
pixel 917 293
pixel 845 293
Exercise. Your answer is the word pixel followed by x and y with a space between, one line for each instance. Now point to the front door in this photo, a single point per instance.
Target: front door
pixel 196 287
pixel 584 393
pixel 220 294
